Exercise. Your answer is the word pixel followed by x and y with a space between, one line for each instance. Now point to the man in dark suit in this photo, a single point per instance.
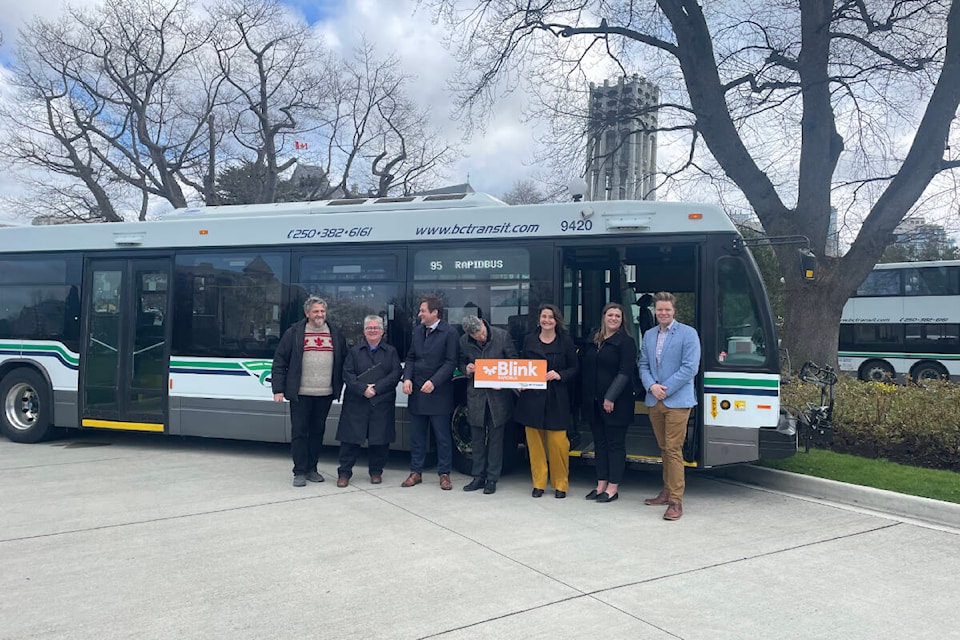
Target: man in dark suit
pixel 428 380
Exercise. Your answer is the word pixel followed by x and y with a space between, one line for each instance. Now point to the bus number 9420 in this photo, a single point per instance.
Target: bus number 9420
pixel 576 225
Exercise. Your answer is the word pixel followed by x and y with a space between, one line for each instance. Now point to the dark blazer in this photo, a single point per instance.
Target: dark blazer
pixel 288 361
pixel 608 373
pixel 500 401
pixel 371 419
pixel 432 357
pixel 549 408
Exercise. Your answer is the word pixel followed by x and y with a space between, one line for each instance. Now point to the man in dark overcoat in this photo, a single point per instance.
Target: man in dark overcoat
pixel 370 376
pixel 488 409
pixel 428 381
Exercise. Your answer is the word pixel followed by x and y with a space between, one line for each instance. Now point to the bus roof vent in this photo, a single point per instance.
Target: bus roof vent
pixel 392 200
pixel 446 196
pixel 345 201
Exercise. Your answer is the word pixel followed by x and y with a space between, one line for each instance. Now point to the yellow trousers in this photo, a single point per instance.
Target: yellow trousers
pixel 544 443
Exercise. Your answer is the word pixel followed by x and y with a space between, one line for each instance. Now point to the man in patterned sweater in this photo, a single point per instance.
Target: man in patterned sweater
pixel 308 371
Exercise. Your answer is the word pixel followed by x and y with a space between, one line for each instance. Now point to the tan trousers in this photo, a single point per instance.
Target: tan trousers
pixel 542 443
pixel 670 428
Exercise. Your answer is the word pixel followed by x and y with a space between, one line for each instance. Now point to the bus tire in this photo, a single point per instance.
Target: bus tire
pixel 462 440
pixel 27 406
pixel 463 444
pixel 928 370
pixel 876 371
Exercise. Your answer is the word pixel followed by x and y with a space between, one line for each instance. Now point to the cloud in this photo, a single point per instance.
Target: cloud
pixel 493 160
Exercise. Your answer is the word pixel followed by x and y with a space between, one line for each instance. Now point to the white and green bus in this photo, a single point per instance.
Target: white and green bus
pixel 904 322
pixel 170 326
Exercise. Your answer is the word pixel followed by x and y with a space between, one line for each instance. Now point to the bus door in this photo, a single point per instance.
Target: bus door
pixel 125 350
pixel 592 277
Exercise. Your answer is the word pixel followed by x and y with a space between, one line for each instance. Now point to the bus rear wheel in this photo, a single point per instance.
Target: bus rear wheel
pixel 877 371
pixel 463 444
pixel 27 406
pixel 923 371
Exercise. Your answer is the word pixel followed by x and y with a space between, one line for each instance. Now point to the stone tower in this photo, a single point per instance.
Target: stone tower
pixel 622 140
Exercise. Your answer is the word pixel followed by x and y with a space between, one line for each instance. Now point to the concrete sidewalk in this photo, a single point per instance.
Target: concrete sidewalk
pixel 123 536
pixel 887 502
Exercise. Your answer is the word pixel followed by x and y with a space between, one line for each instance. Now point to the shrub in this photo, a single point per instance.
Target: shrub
pixel 911 424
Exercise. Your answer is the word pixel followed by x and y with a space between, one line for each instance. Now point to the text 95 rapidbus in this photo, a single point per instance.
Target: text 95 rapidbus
pixel 170 326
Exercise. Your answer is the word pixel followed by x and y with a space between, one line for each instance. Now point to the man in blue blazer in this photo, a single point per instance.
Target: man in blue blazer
pixel 669 362
pixel 428 380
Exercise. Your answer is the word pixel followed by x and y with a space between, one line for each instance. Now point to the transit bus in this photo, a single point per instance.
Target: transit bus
pixel 170 326
pixel 904 322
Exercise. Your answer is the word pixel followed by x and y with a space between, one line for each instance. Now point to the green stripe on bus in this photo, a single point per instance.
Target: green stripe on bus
pixel 28 348
pixel 206 365
pixel 912 356
pixel 772 383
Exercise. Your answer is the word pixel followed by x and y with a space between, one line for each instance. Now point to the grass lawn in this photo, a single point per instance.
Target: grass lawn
pixel 880 474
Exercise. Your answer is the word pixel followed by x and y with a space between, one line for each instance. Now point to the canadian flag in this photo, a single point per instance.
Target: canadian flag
pixel 299 145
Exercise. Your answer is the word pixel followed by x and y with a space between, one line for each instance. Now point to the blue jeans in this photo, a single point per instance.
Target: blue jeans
pixel 418 444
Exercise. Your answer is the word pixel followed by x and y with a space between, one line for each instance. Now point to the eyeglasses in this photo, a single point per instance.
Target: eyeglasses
pixel 373 329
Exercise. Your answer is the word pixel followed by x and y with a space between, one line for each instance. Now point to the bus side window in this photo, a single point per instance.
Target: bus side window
pixel 739 328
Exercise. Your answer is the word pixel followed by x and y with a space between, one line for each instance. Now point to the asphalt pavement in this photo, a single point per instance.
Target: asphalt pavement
pixel 123 535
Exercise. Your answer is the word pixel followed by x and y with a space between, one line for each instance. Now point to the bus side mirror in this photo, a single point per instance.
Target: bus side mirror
pixel 808 265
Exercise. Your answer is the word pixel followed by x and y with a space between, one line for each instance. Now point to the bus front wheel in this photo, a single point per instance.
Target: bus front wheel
pixel 928 371
pixel 462 440
pixel 27 406
pixel 876 371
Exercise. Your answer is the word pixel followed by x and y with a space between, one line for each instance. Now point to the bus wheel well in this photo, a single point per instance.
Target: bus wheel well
pixel 928 370
pixel 876 371
pixel 26 405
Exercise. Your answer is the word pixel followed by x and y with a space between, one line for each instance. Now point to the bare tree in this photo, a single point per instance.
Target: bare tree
pixel 111 96
pixel 275 67
pixel 802 106
pixel 524 192
pixel 375 130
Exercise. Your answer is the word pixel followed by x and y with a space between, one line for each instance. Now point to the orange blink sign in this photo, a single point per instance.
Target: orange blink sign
pixel 511 373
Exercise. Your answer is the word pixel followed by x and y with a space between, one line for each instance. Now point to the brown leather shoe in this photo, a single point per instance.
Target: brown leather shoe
pixel 673 512
pixel 412 479
pixel 662 498
pixel 376 478
pixel 343 481
pixel 445 483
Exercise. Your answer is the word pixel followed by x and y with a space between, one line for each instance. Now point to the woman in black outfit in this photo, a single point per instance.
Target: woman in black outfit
pixel 609 369
pixel 546 412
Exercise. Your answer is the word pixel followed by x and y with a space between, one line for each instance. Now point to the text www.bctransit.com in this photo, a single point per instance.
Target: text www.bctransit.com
pixel 477 229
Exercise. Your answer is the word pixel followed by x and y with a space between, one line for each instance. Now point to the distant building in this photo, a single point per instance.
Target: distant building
pixel 622 142
pixel 918 236
pixel 442 191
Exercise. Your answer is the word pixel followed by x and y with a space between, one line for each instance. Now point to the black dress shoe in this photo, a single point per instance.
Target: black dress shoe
pixel 476 483
pixel 606 497
pixel 490 487
pixel 559 494
pixel 592 495
pixel 536 493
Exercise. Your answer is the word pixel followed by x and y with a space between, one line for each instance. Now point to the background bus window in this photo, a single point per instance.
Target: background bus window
pixel 228 305
pixel 739 328
pixel 356 286
pixel 880 283
pixel 931 281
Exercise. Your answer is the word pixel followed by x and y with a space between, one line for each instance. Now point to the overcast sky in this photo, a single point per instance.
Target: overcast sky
pixel 495 160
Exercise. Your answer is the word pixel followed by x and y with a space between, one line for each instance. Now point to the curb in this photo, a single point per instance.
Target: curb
pixel 898 504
